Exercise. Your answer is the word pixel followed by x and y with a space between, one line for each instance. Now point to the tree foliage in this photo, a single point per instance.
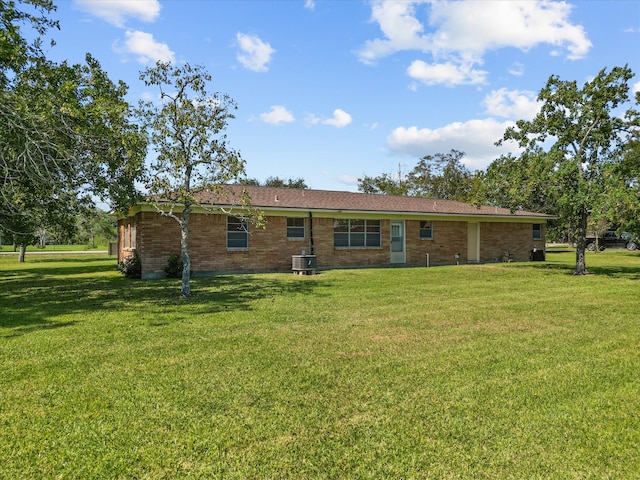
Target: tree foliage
pixel 620 202
pixel 582 137
pixel 16 53
pixel 442 175
pixel 187 131
pixel 386 183
pixel 276 182
pixel 65 136
pixel 513 182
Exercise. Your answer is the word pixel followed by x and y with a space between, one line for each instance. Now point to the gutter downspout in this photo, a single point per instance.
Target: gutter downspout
pixel 311 233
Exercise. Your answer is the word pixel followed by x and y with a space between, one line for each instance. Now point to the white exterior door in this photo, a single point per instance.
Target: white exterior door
pixel 473 242
pixel 397 242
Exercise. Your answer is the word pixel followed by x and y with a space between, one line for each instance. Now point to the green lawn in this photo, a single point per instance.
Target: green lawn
pixel 56 248
pixel 485 371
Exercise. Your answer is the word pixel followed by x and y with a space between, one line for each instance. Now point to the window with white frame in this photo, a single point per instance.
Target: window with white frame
pixel 237 233
pixel 537 231
pixel 295 228
pixel 426 229
pixel 357 233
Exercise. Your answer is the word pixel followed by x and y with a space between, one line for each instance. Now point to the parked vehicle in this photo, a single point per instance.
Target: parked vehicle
pixel 611 239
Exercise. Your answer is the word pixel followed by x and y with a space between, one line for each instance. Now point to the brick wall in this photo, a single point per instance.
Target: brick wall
pixel 498 239
pixel 158 237
pixel 328 256
pixel 448 239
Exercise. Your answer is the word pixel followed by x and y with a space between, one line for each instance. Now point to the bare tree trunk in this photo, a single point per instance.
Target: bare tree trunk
pixel 23 250
pixel 581 235
pixel 185 291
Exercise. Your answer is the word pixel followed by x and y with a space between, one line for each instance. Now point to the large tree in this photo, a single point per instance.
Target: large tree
pixel 65 135
pixel 386 183
pixel 514 183
pixel 441 175
pixel 65 140
pixel 583 133
pixel 186 128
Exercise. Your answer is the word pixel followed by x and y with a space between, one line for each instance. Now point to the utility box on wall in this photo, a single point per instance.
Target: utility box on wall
pixel 304 264
pixel 537 255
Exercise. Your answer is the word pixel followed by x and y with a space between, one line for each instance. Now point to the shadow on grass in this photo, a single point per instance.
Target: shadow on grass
pixel 619 265
pixel 34 297
pixel 42 325
pixel 67 266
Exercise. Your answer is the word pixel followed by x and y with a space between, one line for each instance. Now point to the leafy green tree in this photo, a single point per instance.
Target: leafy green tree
pixel 441 176
pixel 435 176
pixel 386 183
pixel 95 224
pixel 276 182
pixel 187 130
pixel 583 136
pixel 66 139
pixel 289 183
pixel 514 183
pixel 16 53
pixel 622 205
pixel 65 135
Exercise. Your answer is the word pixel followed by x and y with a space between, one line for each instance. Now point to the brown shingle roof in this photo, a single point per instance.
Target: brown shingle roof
pixel 272 197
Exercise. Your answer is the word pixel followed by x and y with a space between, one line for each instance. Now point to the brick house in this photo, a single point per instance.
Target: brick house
pixel 342 230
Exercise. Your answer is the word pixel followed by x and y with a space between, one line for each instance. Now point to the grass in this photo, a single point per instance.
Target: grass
pixel 57 248
pixel 485 371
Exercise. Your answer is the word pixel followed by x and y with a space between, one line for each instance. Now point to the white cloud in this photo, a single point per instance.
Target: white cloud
pixel 457 34
pixel 254 54
pixel 475 137
pixel 402 31
pixel 310 4
pixel 512 104
pixel 488 25
pixel 445 73
pixel 635 88
pixel 340 119
pixel 278 114
pixel 145 48
pixel 116 12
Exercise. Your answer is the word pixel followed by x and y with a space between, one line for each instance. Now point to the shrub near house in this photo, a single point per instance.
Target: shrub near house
pixel 343 230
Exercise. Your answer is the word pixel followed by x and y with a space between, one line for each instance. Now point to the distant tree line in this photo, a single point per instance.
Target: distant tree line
pixel 276 182
pixel 92 227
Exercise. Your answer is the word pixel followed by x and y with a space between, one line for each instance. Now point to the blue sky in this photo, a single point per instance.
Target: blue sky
pixel 334 90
